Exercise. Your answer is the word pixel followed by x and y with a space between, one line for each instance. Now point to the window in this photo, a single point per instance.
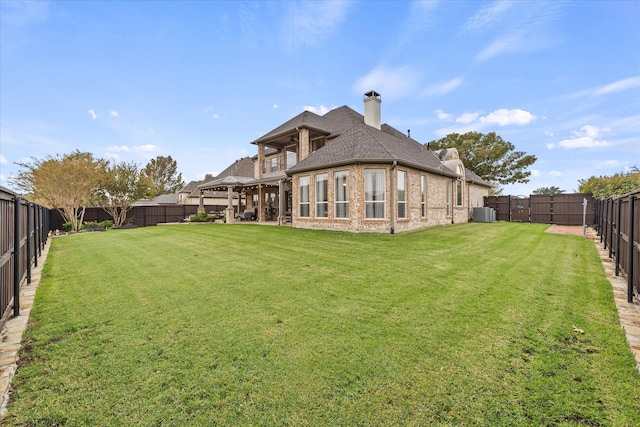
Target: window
pixel 459 192
pixel 304 197
pixel 317 144
pixel 322 200
pixel 402 194
pixel 341 194
pixel 423 192
pixel 374 193
pixel 291 157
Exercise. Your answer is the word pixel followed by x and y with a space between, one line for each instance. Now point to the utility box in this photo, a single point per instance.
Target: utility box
pixel 483 214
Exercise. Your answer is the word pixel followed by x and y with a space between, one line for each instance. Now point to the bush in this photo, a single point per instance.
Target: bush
pixel 199 217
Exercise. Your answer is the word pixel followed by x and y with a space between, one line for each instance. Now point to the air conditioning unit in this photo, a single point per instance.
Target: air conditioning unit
pixel 484 214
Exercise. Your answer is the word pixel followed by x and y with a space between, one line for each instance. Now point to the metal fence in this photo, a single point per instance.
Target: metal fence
pixel 24 229
pixel 561 209
pixel 618 224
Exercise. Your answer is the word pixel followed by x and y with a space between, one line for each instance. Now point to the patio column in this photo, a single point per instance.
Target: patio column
pixel 282 203
pixel 261 206
pixel 229 216
pixel 201 203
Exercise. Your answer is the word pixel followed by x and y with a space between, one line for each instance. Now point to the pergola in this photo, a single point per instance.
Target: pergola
pixel 247 185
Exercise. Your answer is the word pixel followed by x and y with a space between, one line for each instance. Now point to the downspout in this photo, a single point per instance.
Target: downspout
pixel 392 194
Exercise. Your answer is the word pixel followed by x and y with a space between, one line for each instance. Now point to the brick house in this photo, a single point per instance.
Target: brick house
pixel 346 171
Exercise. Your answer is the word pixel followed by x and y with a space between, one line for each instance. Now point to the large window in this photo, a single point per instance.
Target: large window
pixel 303 201
pixel 449 190
pixel 341 194
pixel 459 192
pixel 322 196
pixel 423 195
pixel 402 194
pixel 374 193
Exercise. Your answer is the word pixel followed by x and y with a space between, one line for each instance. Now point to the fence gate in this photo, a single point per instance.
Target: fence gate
pixel 520 209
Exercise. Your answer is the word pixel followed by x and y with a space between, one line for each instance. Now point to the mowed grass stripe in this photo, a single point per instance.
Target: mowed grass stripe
pixel 253 325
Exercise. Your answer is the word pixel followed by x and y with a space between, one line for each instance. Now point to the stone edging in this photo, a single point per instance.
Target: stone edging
pixel 11 335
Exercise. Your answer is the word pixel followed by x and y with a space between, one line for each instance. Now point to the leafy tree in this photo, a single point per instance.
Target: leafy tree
pixel 489 156
pixel 615 185
pixel 123 185
pixel 548 191
pixel 162 173
pixel 68 183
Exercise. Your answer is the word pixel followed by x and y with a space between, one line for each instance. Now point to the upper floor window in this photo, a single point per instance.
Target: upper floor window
pixel 341 194
pixel 402 194
pixel 303 202
pixel 317 144
pixel 374 193
pixel 322 195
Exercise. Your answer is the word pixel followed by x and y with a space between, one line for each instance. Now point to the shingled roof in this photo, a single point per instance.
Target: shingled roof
pixel 355 141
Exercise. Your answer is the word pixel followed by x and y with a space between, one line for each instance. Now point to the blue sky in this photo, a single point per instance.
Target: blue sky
pixel 200 80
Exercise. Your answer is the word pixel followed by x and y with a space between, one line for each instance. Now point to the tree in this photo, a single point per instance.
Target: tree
pixel 489 156
pixel 162 173
pixel 123 185
pixel 615 185
pixel 548 191
pixel 68 183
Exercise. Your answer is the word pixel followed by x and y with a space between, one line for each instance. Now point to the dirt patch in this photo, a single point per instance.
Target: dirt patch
pixel 576 230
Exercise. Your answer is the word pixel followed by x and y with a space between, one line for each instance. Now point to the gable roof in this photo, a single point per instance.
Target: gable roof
pixel 357 142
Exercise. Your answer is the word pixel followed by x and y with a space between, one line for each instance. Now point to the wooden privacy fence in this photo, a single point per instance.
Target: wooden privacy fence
pixel 24 229
pixel 561 209
pixel 140 216
pixel 618 224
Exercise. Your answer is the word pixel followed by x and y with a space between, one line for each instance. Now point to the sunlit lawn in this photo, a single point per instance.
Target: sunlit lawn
pixel 215 324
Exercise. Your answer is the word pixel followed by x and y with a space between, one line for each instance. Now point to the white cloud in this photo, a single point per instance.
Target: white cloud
pixel 550 145
pixel 93 114
pixel 504 117
pixel 619 86
pixel 486 17
pixel 443 116
pixel 275 106
pixel 114 113
pixel 535 172
pixel 308 23
pixel 609 164
pixel 587 137
pixel 468 118
pixel 133 149
pixel 320 110
pixel 215 116
pixel 555 173
pixel 3 160
pixel 443 88
pixel 391 83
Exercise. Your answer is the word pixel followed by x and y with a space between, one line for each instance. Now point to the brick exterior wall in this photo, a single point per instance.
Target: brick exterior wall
pixel 437 187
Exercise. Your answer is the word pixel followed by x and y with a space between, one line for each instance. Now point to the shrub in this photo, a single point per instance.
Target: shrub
pixel 199 217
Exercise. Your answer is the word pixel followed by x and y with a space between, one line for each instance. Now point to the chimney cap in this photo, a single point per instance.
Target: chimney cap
pixel 372 94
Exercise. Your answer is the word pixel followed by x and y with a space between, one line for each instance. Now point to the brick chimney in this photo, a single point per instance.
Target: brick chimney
pixel 372 103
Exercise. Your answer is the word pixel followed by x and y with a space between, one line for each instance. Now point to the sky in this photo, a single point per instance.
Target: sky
pixel 200 80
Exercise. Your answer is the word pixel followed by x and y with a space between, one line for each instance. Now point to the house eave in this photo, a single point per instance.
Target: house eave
pixel 410 164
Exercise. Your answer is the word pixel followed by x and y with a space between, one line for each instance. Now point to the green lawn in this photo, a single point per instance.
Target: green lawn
pixel 214 324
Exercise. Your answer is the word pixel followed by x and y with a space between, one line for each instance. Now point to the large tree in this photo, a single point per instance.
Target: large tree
pixel 615 185
pixel 68 183
pixel 489 156
pixel 162 173
pixel 123 185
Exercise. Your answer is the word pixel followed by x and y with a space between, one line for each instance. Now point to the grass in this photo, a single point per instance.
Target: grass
pixel 214 324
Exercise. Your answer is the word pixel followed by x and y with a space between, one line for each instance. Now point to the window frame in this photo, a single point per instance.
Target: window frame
pixel 423 196
pixel 401 204
pixel 372 202
pixel 341 188
pixel 322 195
pixel 303 181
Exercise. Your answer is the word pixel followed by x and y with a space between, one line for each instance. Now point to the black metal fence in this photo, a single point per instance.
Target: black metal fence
pixel 561 209
pixel 618 225
pixel 24 229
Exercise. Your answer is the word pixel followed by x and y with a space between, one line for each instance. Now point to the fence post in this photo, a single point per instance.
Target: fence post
pixel 16 257
pixel 610 233
pixel 618 236
pixel 29 243
pixel 630 253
